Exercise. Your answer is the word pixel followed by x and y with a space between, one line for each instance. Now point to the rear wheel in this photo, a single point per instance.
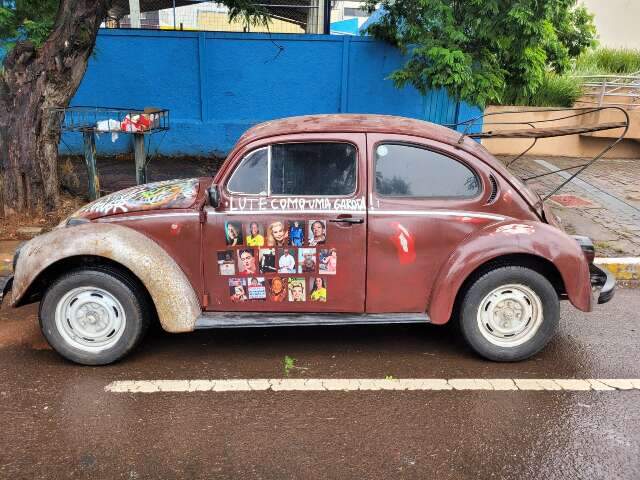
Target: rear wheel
pixel 94 316
pixel 509 313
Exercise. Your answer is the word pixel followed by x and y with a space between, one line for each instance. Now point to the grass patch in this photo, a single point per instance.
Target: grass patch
pixel 608 61
pixel 288 364
pixel 555 91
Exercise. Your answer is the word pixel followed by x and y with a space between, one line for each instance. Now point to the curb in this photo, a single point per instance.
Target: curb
pixel 624 268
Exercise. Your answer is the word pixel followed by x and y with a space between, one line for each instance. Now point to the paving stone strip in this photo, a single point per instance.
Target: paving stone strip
pixel 612 187
pixel 373 384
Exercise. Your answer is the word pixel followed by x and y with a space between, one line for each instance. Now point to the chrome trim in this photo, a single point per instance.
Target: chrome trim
pixel 268 171
pixel 438 213
pixel 431 213
pixel 210 210
pixel 124 218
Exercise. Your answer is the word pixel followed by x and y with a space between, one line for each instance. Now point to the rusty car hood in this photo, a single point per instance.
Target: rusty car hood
pixel 168 194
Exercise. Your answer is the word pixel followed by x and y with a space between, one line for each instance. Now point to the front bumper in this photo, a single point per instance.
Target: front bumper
pixel 603 282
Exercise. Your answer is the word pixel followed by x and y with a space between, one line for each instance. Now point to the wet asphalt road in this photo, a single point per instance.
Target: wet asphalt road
pixel 56 420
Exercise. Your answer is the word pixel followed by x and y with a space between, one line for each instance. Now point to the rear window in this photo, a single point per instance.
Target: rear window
pixel 411 171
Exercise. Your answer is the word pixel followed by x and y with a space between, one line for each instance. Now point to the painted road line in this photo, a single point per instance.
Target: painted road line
pixel 374 384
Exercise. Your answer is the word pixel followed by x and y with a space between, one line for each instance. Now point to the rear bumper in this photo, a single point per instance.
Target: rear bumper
pixel 5 286
pixel 603 282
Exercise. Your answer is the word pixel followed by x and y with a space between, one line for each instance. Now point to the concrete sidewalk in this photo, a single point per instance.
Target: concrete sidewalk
pixel 603 203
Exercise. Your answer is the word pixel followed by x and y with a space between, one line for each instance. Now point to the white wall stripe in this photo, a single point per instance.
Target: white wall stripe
pixel 374 384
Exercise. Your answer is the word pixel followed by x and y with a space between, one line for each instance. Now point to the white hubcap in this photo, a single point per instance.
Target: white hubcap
pixel 90 319
pixel 510 315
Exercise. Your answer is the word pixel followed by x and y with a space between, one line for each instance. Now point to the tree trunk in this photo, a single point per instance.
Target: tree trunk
pixel 35 80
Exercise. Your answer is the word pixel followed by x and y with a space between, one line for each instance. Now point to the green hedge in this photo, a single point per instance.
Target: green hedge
pixel 564 90
pixel 555 91
pixel 608 61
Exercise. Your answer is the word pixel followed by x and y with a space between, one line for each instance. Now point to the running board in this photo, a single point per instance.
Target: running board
pixel 255 319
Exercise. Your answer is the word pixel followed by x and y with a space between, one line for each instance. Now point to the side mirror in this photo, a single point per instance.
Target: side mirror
pixel 214 196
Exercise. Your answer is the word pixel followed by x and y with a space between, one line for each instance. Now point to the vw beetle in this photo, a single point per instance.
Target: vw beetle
pixel 316 220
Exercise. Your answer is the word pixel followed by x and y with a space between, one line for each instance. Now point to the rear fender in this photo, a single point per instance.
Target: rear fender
pixel 508 238
pixel 175 299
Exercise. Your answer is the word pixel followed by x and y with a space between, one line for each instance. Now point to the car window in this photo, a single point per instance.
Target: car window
pixel 313 169
pixel 410 171
pixel 251 175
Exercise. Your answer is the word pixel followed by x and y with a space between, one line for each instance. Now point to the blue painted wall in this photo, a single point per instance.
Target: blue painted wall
pixel 216 85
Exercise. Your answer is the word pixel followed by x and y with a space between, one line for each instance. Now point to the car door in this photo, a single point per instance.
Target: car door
pixel 289 234
pixel 426 197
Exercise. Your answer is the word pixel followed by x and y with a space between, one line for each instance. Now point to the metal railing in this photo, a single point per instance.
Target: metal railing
pixel 619 90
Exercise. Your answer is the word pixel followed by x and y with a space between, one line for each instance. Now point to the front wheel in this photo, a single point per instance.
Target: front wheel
pixel 509 313
pixel 94 316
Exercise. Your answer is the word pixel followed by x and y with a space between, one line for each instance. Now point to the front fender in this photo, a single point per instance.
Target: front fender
pixel 507 238
pixel 175 299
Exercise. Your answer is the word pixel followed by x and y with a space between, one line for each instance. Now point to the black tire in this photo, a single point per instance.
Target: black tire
pixel 487 283
pixel 131 295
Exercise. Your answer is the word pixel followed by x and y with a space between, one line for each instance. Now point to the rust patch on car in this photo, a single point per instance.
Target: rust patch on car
pixel 175 299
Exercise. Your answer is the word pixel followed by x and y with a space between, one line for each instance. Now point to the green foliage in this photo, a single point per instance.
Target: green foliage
pixel 555 91
pixel 32 19
pixel 608 61
pixel 289 363
pixel 481 50
pixel 251 13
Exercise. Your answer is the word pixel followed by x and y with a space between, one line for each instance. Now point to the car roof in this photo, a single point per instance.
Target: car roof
pixel 368 123
pixel 350 123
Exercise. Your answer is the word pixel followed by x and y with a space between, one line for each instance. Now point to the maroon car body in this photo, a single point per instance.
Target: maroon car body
pixel 380 258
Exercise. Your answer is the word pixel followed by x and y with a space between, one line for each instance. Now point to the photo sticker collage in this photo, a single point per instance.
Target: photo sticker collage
pixel 278 262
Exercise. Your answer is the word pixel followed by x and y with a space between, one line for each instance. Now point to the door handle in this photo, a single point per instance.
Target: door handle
pixel 347 220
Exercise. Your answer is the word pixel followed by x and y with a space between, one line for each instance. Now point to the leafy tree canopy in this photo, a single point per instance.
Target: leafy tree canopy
pixel 483 51
pixel 32 19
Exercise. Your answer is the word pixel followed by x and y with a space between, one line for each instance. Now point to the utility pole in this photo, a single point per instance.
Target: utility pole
pixel 134 13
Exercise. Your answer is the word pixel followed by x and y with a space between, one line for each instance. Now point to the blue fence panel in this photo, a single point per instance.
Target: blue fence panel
pixel 216 85
pixel 370 90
